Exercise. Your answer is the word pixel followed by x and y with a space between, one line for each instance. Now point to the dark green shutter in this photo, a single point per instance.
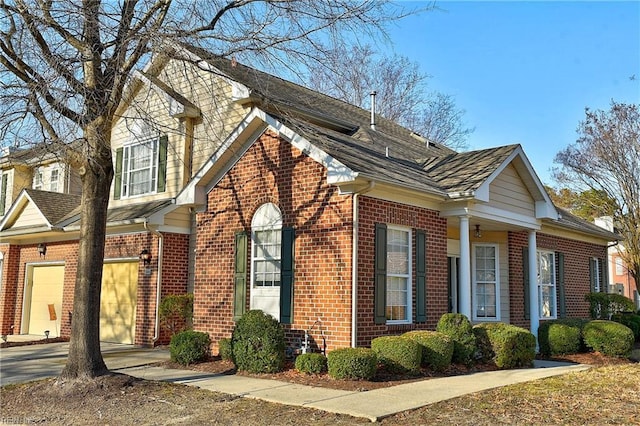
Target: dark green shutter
pixel 592 274
pixel 421 277
pixel 3 194
pixel 286 276
pixel 525 274
pixel 117 182
pixel 562 303
pixel 380 278
pixel 240 276
pixel 162 163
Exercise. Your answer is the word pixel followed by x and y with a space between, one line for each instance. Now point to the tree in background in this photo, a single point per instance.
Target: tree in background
pixel 606 160
pixel 351 74
pixel 64 67
pixel 588 204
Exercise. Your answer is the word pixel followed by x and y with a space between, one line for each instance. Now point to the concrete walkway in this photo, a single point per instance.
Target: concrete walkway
pixel 26 363
pixel 373 405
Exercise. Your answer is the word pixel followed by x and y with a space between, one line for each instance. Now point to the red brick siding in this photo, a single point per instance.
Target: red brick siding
pixel 274 171
pixel 372 211
pixel 576 272
pixel 116 248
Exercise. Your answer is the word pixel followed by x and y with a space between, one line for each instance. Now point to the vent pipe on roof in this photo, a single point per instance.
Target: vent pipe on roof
pixel 373 110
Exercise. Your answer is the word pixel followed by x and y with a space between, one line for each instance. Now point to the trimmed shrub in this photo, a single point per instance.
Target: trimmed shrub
pixel 459 328
pixel 176 312
pixel 311 363
pixel 258 343
pixel 189 346
pixel 437 348
pixel 609 338
pixel 225 349
pixel 398 354
pixel 506 345
pixel 630 320
pixel 562 336
pixel 352 363
pixel 604 305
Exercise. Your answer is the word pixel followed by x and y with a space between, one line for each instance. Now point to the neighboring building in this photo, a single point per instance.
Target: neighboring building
pixel 255 193
pixel 620 279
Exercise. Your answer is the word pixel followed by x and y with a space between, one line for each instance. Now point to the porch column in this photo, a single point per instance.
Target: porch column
pixel 464 298
pixel 533 285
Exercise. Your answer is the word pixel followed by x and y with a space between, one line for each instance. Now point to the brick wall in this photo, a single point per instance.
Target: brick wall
pixel 127 246
pixel 576 272
pixel 372 211
pixel 272 171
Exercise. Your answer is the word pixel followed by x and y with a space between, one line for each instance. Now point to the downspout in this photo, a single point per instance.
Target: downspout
pixel 354 264
pixel 156 334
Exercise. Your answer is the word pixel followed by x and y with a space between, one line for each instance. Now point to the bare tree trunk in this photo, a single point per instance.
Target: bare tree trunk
pixel 85 359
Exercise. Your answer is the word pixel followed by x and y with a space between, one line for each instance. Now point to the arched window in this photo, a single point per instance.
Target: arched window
pixel 266 251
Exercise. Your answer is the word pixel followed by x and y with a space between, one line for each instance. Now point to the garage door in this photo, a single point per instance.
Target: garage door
pixel 118 302
pixel 43 300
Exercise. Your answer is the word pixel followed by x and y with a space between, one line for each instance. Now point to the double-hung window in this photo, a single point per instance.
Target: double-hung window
pixel 38 179
pixel 398 306
pixel 546 262
pixel 53 181
pixel 141 168
pixel 486 282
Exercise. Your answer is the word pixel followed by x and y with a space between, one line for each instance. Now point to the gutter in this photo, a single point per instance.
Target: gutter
pixel 155 232
pixel 354 263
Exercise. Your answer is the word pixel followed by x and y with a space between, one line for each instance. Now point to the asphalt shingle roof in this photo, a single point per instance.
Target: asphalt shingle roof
pixel 53 205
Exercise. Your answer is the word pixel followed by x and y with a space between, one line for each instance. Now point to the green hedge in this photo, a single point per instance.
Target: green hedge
pixel 258 343
pixel 506 345
pixel 437 348
pixel 189 346
pixel 176 312
pixel 352 363
pixel 603 305
pixel 630 320
pixel 459 328
pixel 609 338
pixel 561 336
pixel 311 363
pixel 225 349
pixel 398 354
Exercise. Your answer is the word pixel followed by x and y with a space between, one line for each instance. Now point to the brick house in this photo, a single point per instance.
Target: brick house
pixel 262 194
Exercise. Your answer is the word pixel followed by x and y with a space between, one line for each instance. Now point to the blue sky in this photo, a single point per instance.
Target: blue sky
pixel 525 71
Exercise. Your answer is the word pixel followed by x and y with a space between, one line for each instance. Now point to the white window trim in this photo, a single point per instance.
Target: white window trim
pixel 409 276
pixel 554 285
pixel 125 187
pixel 38 173
pixel 475 282
pixel 56 181
pixel 596 265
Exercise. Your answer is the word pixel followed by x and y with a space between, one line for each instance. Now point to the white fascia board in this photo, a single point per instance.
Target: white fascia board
pixel 157 218
pixel 21 201
pixel 484 211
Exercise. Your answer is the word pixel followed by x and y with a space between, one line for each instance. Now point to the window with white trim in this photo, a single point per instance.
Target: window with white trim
pixel 266 243
pixel 546 266
pixel 53 180
pixel 399 297
pixel 37 178
pixel 486 288
pixel 619 266
pixel 597 288
pixel 140 168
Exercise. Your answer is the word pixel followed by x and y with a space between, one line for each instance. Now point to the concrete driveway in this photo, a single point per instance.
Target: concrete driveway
pixel 25 363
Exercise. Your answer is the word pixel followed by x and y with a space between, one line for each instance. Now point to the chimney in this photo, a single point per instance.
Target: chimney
pixel 373 110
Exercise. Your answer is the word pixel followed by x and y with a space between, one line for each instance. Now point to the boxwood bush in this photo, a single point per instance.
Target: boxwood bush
pixel 398 354
pixel 459 328
pixel 562 336
pixel 630 320
pixel 189 346
pixel 437 348
pixel 311 363
pixel 225 349
pixel 258 343
pixel 609 338
pixel 352 363
pixel 506 345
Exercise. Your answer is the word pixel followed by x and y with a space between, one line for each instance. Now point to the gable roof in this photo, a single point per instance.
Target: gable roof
pixel 52 207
